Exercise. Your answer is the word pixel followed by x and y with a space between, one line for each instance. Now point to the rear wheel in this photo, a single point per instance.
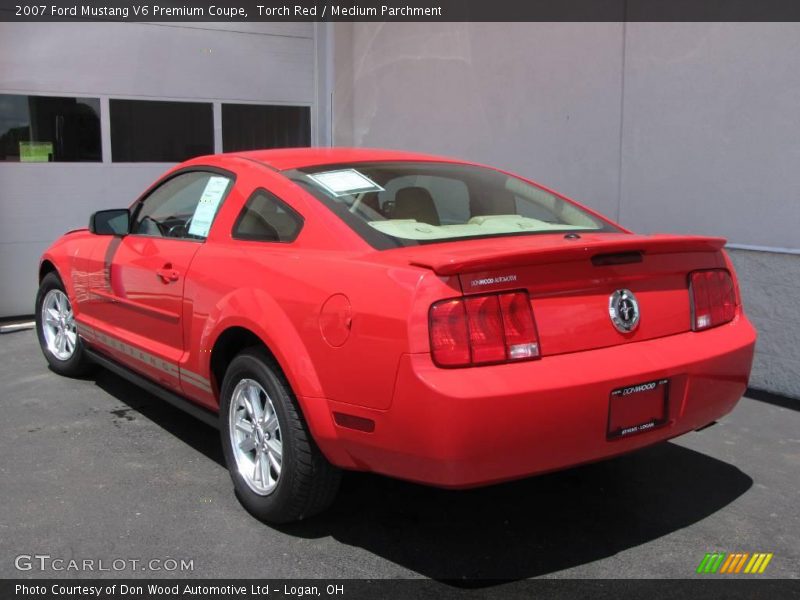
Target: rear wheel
pixel 278 472
pixel 57 331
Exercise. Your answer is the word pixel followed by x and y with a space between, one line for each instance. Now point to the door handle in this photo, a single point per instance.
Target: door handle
pixel 167 273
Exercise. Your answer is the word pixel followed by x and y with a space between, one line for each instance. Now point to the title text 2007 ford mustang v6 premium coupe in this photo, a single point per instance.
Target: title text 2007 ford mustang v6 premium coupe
pixel 425 318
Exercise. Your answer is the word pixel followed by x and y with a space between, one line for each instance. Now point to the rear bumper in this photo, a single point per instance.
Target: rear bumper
pixel 476 426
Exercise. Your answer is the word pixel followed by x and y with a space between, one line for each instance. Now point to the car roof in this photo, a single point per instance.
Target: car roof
pixel 295 158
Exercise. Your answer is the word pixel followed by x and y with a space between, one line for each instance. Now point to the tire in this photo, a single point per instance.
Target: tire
pixel 74 361
pixel 306 483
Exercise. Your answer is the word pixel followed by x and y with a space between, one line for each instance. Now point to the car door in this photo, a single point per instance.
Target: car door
pixel 141 296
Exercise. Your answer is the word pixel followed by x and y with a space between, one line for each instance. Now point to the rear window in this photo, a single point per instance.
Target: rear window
pixel 394 204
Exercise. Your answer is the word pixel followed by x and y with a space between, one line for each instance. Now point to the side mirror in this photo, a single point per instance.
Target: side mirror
pixel 116 221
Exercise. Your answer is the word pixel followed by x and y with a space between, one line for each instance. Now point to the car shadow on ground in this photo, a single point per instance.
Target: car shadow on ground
pixel 506 532
pixel 531 527
pixel 195 433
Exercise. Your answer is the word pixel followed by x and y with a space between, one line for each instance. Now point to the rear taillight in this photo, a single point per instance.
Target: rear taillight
pixel 713 298
pixel 449 335
pixel 482 330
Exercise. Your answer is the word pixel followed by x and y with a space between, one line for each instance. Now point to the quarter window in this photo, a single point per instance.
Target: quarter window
pixel 183 207
pixel 49 129
pixel 265 218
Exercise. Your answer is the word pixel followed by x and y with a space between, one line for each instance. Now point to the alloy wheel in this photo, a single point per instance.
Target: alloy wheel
pixel 255 436
pixel 58 325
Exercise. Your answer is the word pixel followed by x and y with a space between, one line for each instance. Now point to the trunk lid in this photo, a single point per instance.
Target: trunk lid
pixel 571 279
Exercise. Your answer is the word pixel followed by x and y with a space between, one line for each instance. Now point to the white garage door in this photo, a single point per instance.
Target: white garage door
pixel 91 113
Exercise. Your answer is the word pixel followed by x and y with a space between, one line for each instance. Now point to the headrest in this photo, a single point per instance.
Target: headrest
pixel 415 203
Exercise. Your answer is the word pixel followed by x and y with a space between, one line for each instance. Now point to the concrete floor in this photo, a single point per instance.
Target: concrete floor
pixel 96 468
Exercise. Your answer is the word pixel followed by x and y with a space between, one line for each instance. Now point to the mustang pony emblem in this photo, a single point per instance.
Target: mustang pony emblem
pixel 623 309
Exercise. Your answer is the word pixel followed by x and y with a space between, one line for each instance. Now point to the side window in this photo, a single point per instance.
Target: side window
pixel 265 218
pixel 183 207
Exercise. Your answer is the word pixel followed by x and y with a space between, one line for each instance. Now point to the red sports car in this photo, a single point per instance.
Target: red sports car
pixel 422 317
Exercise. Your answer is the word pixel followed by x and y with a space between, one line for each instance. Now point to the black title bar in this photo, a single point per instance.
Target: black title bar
pixel 393 589
pixel 400 10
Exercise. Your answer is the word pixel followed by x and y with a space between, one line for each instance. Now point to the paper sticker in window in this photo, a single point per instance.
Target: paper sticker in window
pixel 35 151
pixel 345 182
pixel 208 205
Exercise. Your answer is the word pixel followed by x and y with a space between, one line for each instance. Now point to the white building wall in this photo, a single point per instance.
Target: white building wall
pixel 770 286
pixel 543 100
pixel 710 131
pixel 243 62
pixel 680 127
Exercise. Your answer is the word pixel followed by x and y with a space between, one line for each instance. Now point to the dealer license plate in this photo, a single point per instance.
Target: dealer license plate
pixel 637 408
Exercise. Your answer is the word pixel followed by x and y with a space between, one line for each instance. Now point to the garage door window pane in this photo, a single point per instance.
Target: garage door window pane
pixel 155 131
pixel 49 128
pixel 252 127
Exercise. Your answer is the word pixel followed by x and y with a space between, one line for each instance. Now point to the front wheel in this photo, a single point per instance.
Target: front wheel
pixel 56 329
pixel 278 472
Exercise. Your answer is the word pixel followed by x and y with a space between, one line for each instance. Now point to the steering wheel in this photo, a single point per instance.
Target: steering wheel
pixel 158 225
pixel 180 229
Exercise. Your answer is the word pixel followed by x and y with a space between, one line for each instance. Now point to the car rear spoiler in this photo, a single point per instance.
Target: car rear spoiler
pixel 565 250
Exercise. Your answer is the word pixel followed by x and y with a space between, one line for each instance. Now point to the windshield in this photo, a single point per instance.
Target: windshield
pixel 394 204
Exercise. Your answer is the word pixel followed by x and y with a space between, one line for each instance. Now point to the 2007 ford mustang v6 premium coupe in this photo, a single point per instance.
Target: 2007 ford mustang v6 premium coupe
pixel 425 318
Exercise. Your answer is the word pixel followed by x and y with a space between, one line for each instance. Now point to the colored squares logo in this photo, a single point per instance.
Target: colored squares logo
pixel 734 562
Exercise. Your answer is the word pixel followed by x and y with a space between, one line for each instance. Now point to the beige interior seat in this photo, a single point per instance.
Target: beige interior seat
pixel 415 203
